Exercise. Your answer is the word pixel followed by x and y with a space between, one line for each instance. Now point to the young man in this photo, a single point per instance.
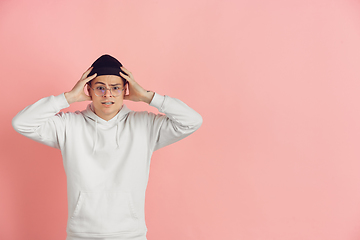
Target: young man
pixel 107 148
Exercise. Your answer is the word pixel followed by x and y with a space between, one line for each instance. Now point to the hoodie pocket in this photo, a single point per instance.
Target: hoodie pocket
pixel 104 212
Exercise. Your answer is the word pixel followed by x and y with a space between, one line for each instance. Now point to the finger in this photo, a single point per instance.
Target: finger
pixel 90 78
pixel 89 69
pixel 125 76
pixel 126 71
pixel 86 72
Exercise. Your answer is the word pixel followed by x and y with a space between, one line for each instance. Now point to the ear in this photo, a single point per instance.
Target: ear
pixel 125 90
pixel 88 89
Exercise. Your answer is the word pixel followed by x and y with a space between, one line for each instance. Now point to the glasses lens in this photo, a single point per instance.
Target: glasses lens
pixel 116 91
pixel 100 91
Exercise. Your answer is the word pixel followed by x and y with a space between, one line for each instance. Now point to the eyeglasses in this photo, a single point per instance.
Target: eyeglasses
pixel 101 90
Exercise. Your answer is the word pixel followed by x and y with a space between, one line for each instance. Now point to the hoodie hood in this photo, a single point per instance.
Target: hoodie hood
pixel 89 113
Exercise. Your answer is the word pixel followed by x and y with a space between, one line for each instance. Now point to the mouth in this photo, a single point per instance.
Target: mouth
pixel 107 103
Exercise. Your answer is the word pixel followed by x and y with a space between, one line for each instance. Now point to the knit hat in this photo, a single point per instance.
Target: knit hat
pixel 106 65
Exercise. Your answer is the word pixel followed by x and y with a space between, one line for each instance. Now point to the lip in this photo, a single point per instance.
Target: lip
pixel 108 105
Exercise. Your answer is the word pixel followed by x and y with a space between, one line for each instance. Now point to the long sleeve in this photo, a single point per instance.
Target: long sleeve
pixel 42 121
pixel 178 122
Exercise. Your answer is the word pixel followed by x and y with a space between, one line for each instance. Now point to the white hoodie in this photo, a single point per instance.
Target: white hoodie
pixel 106 162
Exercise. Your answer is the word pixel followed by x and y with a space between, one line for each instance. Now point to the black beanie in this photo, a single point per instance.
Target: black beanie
pixel 106 65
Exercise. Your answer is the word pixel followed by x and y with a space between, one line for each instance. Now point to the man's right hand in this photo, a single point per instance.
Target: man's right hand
pixel 77 94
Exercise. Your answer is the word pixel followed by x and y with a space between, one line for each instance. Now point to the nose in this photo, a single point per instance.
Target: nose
pixel 106 94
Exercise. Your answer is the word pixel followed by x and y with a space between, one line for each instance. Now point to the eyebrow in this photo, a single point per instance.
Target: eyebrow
pixel 109 84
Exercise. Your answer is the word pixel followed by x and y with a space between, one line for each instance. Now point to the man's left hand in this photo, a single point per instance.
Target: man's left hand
pixel 136 92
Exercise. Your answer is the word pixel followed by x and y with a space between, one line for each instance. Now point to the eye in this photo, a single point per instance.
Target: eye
pixel 115 88
pixel 100 88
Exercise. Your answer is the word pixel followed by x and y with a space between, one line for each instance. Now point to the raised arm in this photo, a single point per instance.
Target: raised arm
pixel 178 122
pixel 42 121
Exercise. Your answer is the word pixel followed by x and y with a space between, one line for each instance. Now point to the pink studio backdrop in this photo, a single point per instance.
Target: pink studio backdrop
pixel 277 84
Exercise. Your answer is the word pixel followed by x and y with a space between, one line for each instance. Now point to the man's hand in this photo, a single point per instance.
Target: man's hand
pixel 77 94
pixel 136 92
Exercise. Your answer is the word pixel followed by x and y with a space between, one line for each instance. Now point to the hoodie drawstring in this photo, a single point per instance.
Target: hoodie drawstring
pixel 95 140
pixel 117 136
pixel 90 113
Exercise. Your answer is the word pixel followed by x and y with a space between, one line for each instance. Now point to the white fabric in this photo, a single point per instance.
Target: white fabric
pixel 106 162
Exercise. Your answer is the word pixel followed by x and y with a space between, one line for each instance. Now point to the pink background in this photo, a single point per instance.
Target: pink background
pixel 277 84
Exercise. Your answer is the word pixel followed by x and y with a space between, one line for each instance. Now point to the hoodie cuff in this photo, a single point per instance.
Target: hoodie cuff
pixel 61 101
pixel 157 101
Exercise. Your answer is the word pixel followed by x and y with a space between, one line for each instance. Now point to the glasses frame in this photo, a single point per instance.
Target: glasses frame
pixel 106 91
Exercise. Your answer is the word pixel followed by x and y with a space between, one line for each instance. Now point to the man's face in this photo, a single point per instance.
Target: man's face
pixel 101 104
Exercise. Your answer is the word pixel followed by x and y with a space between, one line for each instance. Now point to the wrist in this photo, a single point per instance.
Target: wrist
pixel 69 98
pixel 148 96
